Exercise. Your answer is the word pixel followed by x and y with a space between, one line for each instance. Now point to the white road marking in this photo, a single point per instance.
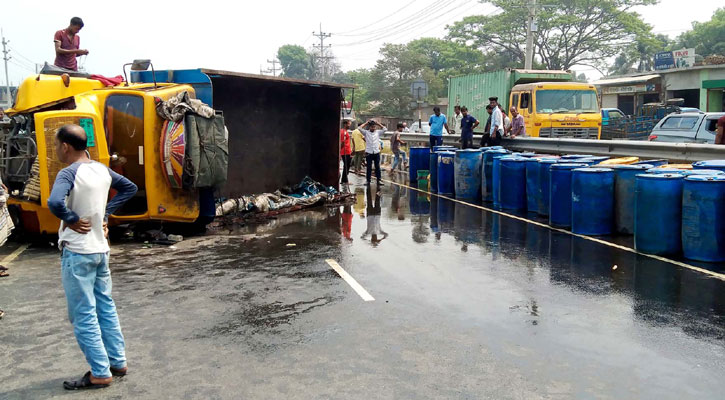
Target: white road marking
pixel 350 280
pixel 12 256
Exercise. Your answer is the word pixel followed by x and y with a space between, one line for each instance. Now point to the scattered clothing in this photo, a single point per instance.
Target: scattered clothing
pixel 175 108
pixel 67 61
pixel 106 81
pixel 436 124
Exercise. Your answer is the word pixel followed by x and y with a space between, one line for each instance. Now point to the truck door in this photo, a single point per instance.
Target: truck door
pixel 525 109
pixel 124 125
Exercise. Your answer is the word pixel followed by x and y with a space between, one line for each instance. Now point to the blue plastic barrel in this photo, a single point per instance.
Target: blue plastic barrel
pixel 419 159
pixel 660 171
pixel 710 164
pixel 495 147
pixel 433 168
pixel 654 163
pixel 446 173
pixel 702 172
pixel 528 154
pixel 543 195
pixel 532 184
pixel 444 147
pixel 487 176
pixel 513 191
pixel 624 195
pixel 658 214
pixel 496 185
pixel 591 160
pixel 575 156
pixel 560 193
pixel 446 209
pixel 418 202
pixel 467 169
pixel 592 201
pixel 703 218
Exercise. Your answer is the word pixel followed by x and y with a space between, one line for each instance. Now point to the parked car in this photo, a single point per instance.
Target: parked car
pixel 611 113
pixel 687 128
pixel 425 129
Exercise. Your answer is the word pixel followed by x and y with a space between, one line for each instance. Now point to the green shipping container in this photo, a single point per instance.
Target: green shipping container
pixel 474 90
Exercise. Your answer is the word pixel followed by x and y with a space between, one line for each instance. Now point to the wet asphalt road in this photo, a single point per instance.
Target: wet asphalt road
pixel 468 305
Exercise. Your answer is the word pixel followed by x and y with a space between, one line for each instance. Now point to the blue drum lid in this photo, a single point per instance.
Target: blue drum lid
pixel 710 163
pixel 706 178
pixel 664 176
pixel 512 159
pixel 631 166
pixel 548 160
pixel 594 170
pixel 702 172
pixel 570 156
pixel 659 171
pixel 569 165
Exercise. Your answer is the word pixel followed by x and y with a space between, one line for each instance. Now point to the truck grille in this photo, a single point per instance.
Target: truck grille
pixel 577 133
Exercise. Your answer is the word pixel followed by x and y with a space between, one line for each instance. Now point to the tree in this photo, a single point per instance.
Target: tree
pixel 707 38
pixel 570 32
pixel 295 61
pixel 396 69
pixel 640 53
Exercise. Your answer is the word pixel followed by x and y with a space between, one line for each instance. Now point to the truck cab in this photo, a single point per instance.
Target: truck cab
pixel 122 128
pixel 558 109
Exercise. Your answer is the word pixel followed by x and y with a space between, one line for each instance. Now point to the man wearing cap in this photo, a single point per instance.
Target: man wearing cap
pixel 720 136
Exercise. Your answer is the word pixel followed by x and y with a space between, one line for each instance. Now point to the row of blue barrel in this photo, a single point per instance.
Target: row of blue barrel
pixel 669 211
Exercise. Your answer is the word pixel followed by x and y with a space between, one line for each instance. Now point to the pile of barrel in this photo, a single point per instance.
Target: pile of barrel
pixel 671 209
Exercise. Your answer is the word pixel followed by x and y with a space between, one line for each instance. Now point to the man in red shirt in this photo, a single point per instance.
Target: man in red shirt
pixel 345 150
pixel 720 135
pixel 67 45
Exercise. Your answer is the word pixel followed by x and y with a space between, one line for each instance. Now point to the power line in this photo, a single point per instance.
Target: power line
pixel 322 36
pixel 347 33
pixel 274 68
pixel 21 56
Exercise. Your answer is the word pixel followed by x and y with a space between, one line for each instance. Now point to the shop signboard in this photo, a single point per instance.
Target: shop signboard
pixel 628 89
pixel 675 59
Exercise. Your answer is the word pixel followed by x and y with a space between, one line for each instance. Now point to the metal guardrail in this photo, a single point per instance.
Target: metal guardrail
pixel 676 152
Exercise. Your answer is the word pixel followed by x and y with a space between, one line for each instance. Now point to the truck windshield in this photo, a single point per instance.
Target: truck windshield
pixel 566 101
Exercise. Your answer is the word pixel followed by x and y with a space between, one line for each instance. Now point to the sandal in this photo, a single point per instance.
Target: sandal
pixel 3 274
pixel 119 371
pixel 84 383
pixel 3 268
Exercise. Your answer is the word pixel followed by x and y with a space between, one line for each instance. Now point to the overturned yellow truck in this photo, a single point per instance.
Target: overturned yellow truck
pixel 277 132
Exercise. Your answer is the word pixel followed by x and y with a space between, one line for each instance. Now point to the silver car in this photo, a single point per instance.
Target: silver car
pixel 687 128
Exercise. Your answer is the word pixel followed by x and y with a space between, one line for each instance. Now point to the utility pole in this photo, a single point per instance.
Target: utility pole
pixel 273 70
pixel 530 29
pixel 322 36
pixel 6 58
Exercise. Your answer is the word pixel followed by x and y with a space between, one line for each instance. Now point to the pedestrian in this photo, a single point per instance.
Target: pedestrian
pixel 372 131
pixel 405 127
pixel 345 150
pixel 358 148
pixel 496 130
pixel 720 136
pixel 486 137
pixel 506 120
pixel 78 199
pixel 518 128
pixel 437 122
pixel 468 124
pixel 457 117
pixel 395 143
pixel 67 45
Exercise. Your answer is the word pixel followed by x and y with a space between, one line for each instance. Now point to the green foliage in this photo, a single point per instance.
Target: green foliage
pixel 639 55
pixel 707 38
pixel 295 61
pixel 570 32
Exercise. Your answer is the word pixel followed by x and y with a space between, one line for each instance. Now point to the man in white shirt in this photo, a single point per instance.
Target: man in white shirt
pixel 372 131
pixel 457 117
pixel 497 126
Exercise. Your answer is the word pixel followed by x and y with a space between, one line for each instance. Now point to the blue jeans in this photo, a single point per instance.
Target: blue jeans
pixel 91 310
pixel 396 161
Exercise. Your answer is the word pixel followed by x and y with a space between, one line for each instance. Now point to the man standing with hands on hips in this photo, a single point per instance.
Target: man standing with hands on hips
pixel 79 198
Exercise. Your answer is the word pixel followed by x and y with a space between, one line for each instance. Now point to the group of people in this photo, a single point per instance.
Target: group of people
pixel 498 125
pixel 363 142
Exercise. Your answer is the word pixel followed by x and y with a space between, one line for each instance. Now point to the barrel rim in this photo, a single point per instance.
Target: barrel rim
pixel 671 176
pixel 705 178
pixel 593 170
pixel 570 165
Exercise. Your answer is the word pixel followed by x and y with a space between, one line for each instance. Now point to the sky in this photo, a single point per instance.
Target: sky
pixel 242 36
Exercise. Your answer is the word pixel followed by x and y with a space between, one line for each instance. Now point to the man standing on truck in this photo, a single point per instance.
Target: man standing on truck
pixel 437 122
pixel 78 199
pixel 468 124
pixel 720 135
pixel 67 45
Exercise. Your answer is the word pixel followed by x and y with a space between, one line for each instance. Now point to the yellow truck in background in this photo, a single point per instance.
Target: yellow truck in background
pixel 558 109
